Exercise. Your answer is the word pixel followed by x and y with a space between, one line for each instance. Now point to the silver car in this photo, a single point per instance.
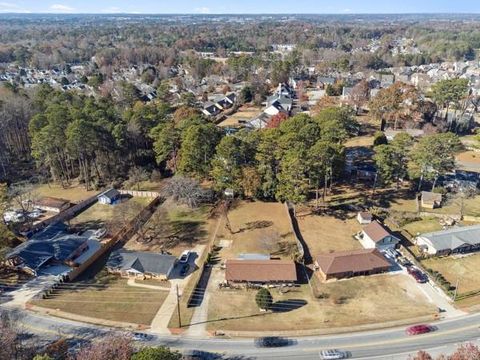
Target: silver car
pixel 333 354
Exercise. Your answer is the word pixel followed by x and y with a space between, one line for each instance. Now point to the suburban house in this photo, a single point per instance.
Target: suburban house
pixel 51 204
pixel 452 241
pixel 260 271
pixel 109 197
pixel 431 200
pixel 346 264
pixel 364 217
pixel 211 109
pixel 376 236
pixel 136 264
pixel 51 246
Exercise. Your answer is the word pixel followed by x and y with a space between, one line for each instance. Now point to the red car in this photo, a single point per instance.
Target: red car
pixel 418 329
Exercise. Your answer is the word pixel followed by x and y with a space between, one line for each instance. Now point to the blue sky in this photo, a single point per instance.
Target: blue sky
pixel 241 6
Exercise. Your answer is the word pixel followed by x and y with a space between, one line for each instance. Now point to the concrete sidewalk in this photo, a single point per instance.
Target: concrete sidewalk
pixel 131 282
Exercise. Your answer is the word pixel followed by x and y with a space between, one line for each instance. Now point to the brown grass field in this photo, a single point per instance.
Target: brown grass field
pixel 453 268
pixel 352 302
pixel 115 301
pixel 173 228
pixel 257 227
pixel 327 233
pixel 73 193
pixel 114 216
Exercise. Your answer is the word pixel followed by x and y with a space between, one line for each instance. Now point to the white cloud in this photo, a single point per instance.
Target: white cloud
pixel 10 7
pixel 61 8
pixel 112 10
pixel 347 10
pixel 203 10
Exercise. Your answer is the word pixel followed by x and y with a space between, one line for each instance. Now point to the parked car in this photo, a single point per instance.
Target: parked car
pixel 184 269
pixel 184 257
pixel 137 336
pixel 417 275
pixel 418 329
pixel 333 354
pixel 404 261
pixel 272 341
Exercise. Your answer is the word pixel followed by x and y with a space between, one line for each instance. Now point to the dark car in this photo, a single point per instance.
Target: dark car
pixel 417 275
pixel 272 341
pixel 138 336
pixel 418 329
pixel 184 270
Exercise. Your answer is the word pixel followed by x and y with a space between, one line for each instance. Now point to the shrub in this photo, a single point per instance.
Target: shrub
pixel 264 299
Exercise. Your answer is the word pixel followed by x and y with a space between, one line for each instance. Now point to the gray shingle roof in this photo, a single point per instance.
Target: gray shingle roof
pixel 111 194
pixel 141 261
pixel 454 238
pixel 51 243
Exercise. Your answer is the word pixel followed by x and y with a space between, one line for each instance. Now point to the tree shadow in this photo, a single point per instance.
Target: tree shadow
pixel 287 305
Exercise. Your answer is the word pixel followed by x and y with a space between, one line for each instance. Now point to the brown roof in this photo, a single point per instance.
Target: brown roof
pixel 376 231
pixel 260 270
pixel 352 261
pixel 52 202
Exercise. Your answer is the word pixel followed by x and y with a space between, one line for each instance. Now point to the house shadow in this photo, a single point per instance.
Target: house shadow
pixel 287 305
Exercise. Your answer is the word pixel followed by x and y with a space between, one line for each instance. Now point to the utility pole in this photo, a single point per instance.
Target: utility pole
pixel 456 290
pixel 178 309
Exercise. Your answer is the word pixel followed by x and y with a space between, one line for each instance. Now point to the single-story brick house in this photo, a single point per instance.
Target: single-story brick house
pixel 452 241
pixel 136 264
pixel 346 264
pixel 376 236
pixel 260 271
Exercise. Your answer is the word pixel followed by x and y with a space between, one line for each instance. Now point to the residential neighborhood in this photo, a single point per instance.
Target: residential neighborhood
pixel 239 185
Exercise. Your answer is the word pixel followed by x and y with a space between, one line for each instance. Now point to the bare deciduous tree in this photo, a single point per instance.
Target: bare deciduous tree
pixel 187 191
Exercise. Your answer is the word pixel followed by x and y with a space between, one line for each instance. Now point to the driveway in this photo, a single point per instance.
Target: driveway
pixel 19 297
pixel 160 322
pixel 198 324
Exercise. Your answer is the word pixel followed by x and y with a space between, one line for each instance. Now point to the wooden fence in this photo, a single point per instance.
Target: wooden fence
pixel 137 193
pixel 120 237
pixel 296 232
pixel 66 214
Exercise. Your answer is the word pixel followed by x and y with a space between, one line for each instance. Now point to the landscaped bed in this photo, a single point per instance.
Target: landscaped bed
pixel 347 303
pixel 108 300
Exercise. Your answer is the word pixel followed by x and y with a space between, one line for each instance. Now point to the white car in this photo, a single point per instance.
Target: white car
pixel 333 354
pixel 184 257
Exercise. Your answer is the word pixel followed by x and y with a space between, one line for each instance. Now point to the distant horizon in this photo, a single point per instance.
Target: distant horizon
pixel 237 14
pixel 244 7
